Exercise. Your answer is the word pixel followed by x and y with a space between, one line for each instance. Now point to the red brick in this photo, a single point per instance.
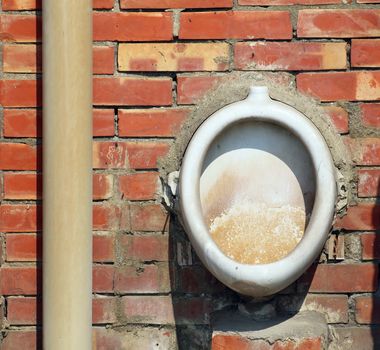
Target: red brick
pixel 28 122
pixel 339 117
pixel 102 186
pixel 20 93
pixel 290 56
pixel 368 1
pixel 178 57
pixel 145 155
pixel 145 248
pixel 109 154
pixel 150 217
pixel 355 338
pixel 22 186
pixel 28 59
pixel 370 246
pixel 235 25
pixel 22 311
pixel 20 339
pixel 352 23
pixel 19 5
pixel 20 28
pixel 103 310
pixel 365 53
pixel 170 4
pixel 334 307
pixel 367 151
pixel 133 26
pixel 29 186
pixel 102 278
pixel 19 280
pixel 369 183
pixel 192 88
pixel 103 248
pixel 342 278
pixel 132 91
pixel 370 114
pixel 106 217
pixel 367 309
pixel 20 218
pixel 151 122
pixel 148 309
pixel 23 247
pixel 288 2
pixel 18 156
pixel 139 186
pixel 364 216
pixel 27 247
pixel 228 341
pixel 352 86
pixel 142 279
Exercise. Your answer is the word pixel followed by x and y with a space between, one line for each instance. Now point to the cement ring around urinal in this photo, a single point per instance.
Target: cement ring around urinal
pixel 258 279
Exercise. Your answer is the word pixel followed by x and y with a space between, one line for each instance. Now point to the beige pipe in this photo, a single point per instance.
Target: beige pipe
pixel 67 174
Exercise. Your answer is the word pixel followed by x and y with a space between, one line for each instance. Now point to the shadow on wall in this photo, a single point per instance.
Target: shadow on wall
pixel 199 298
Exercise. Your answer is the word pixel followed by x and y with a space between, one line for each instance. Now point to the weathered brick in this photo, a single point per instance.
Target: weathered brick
pixel 367 309
pixel 133 26
pixel 102 278
pixel 18 280
pixel 148 309
pixel 20 93
pixel 174 57
pixel 228 341
pixel 235 25
pixel 104 310
pixel 145 155
pixel 139 186
pixel 28 59
pixel 20 339
pixel 20 218
pixel 370 114
pixel 132 91
pixel 369 183
pixel 22 5
pixel 103 248
pixel 145 248
pixel 367 151
pixel 365 53
pixel 23 311
pixel 143 279
pixel 135 338
pixel 364 216
pixel 149 217
pixel 20 28
pixel 334 307
pixel 102 186
pixel 108 155
pixel 192 88
pixel 354 338
pixel 151 122
pixel 352 86
pixel 340 278
pixel 338 23
pixel 261 55
pixel 339 117
pixel 370 246
pixel 170 4
pixel 288 2
pixel 106 217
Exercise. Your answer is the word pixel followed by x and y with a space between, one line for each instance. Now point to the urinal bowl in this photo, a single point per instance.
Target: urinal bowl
pixel 257 154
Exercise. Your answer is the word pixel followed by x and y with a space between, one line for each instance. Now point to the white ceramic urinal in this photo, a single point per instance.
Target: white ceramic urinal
pixel 257 194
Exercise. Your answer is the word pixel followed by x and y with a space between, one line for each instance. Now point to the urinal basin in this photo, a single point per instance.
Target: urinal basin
pixel 257 194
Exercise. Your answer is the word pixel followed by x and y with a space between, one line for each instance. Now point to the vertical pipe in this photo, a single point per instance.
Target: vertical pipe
pixel 67 174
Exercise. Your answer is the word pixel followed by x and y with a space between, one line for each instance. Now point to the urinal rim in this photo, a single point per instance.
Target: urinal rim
pixel 264 278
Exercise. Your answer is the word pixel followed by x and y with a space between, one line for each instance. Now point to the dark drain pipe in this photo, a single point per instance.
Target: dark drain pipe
pixel 67 174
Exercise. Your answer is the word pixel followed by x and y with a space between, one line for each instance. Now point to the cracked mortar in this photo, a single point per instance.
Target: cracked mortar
pixel 234 87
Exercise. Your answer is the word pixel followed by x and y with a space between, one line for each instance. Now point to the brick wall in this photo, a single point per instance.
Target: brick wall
pixel 153 60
